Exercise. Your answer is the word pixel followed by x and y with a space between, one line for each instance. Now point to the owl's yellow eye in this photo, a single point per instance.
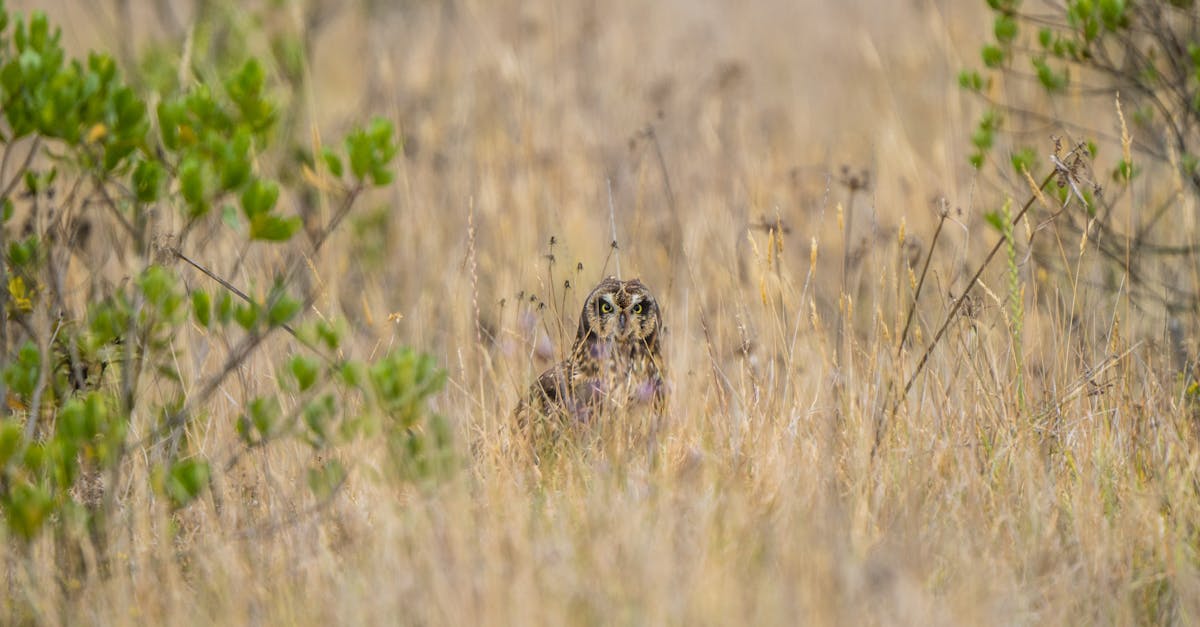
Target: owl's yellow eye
pixel 605 307
pixel 638 308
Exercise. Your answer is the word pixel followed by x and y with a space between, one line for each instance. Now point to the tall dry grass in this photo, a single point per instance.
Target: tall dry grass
pixel 777 497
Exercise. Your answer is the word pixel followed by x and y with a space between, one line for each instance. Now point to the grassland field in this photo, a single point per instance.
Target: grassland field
pixel 774 170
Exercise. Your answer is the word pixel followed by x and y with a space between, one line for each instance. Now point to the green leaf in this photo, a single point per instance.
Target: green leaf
pixel 26 508
pixel 402 380
pixel 36 458
pixel 260 421
pixel 1113 14
pixel 107 321
pixel 273 228
pixel 259 198
pixel 11 435
pixel 245 89
pixel 353 373
pixel 21 374
pixel 1091 28
pixel 158 285
pixel 995 219
pixel 329 334
pixel 324 332
pixel 982 138
pixel 970 80
pixel 325 479
pixel 1005 28
pixel 147 180
pixel 246 315
pixel 371 152
pixel 1051 80
pixel 73 422
pixel 305 369
pixel 192 185
pixel 317 414
pixel 23 252
pixel 984 135
pixel 332 161
pixel 1124 172
pixel 233 160
pixel 1025 160
pixel 170 120
pixel 201 308
pixel 225 308
pixel 283 309
pixel 1045 37
pixel 186 480
pixel 993 56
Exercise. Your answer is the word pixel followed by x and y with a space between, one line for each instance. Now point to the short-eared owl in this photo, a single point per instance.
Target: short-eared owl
pixel 614 364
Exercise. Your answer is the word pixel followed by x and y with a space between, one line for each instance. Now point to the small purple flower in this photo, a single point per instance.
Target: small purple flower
pixel 647 391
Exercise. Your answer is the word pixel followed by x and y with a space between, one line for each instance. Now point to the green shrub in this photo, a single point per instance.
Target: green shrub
pixel 1059 70
pixel 76 376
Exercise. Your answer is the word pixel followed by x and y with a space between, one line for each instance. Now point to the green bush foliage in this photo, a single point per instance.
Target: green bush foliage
pixel 76 376
pixel 1111 71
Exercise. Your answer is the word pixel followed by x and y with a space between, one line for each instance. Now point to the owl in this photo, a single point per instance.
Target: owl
pixel 615 363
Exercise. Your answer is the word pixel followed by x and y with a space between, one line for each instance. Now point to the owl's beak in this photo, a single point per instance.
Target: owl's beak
pixel 622 322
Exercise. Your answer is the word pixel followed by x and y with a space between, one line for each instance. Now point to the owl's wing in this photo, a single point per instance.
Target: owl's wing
pixel 551 387
pixel 539 416
pixel 546 395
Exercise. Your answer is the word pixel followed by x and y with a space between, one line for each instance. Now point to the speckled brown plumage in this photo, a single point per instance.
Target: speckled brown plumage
pixel 615 364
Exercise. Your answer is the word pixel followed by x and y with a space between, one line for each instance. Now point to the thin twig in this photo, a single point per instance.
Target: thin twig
pixel 225 284
pixel 248 345
pixel 912 307
pixel 116 211
pixel 35 403
pixel 612 223
pixel 958 302
pixel 8 149
pixel 12 184
pixel 57 283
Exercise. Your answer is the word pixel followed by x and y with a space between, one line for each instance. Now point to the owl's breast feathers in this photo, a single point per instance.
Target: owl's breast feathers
pixel 600 376
pixel 617 375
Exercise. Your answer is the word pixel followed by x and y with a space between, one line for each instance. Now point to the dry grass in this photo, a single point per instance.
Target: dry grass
pixel 771 503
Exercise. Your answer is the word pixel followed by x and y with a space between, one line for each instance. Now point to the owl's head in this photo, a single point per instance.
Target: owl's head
pixel 622 311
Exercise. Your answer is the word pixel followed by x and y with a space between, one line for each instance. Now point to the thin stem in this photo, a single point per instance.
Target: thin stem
pixel 612 223
pixel 958 302
pixel 225 284
pixel 12 183
pixel 920 283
